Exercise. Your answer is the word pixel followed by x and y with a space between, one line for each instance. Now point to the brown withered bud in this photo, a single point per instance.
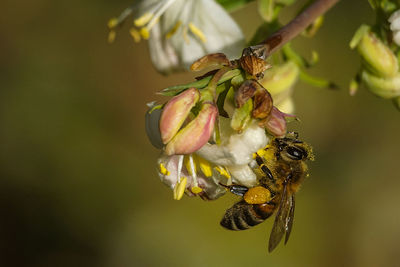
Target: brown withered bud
pixel 216 59
pixel 262 103
pixel 253 61
pixel 246 91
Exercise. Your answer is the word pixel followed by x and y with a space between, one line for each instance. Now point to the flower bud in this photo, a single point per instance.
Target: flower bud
pixel 242 116
pixel 175 113
pixel 382 87
pixel 276 122
pixel 379 59
pixel 195 134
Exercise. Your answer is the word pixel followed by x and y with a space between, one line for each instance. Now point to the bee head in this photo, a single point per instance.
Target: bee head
pixel 292 149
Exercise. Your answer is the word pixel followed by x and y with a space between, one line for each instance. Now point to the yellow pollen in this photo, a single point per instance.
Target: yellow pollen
pixel 144 32
pixel 223 172
pixel 143 20
pixel 112 23
pixel 135 35
pixel 196 189
pixel 185 35
pixel 205 166
pixel 173 30
pixel 164 170
pixel 179 188
pixel 197 32
pixel 111 36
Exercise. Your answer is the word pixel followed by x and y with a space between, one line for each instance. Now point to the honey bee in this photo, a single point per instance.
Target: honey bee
pixel 281 170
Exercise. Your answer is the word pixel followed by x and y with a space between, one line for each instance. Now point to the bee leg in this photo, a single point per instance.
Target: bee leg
pixel 264 168
pixel 236 189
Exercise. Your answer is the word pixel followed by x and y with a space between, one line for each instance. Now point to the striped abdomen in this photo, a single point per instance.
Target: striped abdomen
pixel 242 216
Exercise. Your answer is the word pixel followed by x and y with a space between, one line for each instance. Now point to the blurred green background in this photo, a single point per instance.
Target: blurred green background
pixel 78 182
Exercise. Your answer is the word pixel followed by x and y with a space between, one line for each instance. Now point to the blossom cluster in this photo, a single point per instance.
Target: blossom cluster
pixel 210 130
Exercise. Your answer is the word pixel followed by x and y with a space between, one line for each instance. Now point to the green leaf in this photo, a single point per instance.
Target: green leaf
pixel 242 116
pixel 200 84
pixel 231 5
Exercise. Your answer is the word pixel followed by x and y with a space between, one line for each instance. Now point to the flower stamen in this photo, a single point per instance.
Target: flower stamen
pixel 179 188
pixel 173 30
pixel 223 171
pixel 135 35
pixel 197 32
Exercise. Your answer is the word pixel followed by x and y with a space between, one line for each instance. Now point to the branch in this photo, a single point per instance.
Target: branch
pixel 293 28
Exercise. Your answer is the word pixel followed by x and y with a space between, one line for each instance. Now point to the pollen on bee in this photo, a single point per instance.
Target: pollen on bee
pixel 197 32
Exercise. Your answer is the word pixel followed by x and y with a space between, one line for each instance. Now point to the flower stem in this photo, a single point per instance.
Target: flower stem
pixel 293 28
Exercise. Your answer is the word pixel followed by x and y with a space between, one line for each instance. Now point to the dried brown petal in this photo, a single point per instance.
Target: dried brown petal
pixel 246 91
pixel 218 59
pixel 262 103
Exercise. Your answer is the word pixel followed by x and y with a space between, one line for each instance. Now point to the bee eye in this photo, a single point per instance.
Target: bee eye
pixel 295 153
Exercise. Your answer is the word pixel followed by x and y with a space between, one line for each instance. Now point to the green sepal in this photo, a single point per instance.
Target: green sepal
pixel 362 30
pixel 200 84
pixel 224 89
pixel 242 116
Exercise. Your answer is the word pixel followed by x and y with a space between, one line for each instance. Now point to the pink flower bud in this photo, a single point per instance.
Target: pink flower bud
pixel 196 134
pixel 276 122
pixel 175 113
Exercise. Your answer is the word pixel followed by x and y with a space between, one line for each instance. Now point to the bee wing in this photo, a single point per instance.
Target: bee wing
pixel 289 221
pixel 283 220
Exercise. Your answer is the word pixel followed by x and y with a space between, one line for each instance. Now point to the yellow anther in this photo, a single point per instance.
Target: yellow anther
pixel 143 20
pixel 223 172
pixel 179 188
pixel 164 170
pixel 144 32
pixel 197 32
pixel 135 35
pixel 112 23
pixel 185 34
pixel 111 36
pixel 173 30
pixel 196 189
pixel 188 165
pixel 205 166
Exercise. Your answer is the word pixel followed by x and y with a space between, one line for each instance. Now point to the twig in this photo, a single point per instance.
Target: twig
pixel 293 28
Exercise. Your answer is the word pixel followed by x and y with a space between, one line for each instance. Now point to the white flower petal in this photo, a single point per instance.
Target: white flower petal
pixel 396 37
pixel 237 149
pixel 394 16
pixel 243 174
pixel 395 25
pixel 221 32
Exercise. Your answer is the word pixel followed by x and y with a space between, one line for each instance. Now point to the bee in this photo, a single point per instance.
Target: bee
pixel 281 168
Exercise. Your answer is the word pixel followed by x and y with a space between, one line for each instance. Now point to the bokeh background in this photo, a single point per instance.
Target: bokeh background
pixel 78 182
